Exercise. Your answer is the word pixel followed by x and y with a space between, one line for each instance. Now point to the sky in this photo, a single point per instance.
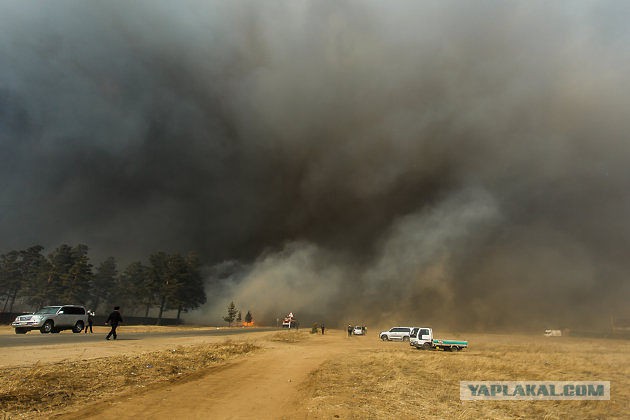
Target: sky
pixel 460 164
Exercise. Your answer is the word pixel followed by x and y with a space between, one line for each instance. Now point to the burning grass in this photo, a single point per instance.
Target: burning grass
pixel 394 379
pixel 44 388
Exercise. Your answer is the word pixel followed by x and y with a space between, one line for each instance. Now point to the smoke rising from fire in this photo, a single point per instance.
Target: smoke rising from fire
pixel 462 163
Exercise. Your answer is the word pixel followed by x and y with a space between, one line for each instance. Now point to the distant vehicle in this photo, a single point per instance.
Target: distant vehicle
pixel 553 333
pixel 425 341
pixel 396 333
pixel 52 319
pixel 359 330
pixel 289 321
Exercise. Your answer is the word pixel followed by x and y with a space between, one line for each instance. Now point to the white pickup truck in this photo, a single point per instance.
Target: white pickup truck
pixel 422 338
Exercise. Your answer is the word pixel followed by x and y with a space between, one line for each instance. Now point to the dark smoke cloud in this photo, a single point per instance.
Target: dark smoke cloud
pixel 353 161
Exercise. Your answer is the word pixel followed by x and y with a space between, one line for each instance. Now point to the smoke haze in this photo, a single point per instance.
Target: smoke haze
pixel 462 163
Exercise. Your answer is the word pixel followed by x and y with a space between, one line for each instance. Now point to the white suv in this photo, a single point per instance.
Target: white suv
pixel 359 330
pixel 396 333
pixel 52 319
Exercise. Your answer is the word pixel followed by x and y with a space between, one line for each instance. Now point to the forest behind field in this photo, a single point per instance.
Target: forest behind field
pixel 29 279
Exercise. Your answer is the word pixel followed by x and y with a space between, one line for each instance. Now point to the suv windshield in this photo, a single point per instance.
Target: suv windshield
pixel 48 310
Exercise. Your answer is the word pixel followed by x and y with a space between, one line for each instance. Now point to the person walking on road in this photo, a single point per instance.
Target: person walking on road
pixel 113 320
pixel 90 320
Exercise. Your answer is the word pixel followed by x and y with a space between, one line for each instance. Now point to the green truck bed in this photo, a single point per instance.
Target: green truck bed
pixel 439 342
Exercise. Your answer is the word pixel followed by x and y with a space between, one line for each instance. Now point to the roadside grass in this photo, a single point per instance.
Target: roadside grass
pixel 289 336
pixel 45 388
pixel 394 380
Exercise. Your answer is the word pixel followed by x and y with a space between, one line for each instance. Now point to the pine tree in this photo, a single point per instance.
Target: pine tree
pixel 38 278
pixel 69 275
pixel 103 283
pixel 134 287
pixel 10 277
pixel 248 317
pixel 231 314
pixel 166 278
pixel 190 293
pixel 33 271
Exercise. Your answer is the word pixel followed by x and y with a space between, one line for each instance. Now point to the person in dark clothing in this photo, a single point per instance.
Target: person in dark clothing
pixel 90 320
pixel 349 330
pixel 323 328
pixel 113 320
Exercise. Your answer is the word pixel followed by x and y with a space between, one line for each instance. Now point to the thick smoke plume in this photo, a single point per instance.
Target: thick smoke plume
pixel 464 164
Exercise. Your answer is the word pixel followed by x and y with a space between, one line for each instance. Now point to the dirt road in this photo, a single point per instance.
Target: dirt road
pixel 264 385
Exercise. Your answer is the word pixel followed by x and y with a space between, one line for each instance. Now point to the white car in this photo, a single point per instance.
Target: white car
pixel 52 319
pixel 396 333
pixel 359 330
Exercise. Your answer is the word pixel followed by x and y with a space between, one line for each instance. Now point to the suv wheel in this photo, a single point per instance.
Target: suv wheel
pixel 405 338
pixel 47 327
pixel 78 327
pixel 384 337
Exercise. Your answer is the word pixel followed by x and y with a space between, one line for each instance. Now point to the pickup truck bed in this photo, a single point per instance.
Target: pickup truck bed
pixel 449 345
pixel 451 342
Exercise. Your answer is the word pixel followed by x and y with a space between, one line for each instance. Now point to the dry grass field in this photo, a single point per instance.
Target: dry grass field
pixel 333 377
pixel 394 380
pixel 46 388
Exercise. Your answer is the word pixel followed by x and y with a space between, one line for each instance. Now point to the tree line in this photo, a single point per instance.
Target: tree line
pixel 66 276
pixel 234 314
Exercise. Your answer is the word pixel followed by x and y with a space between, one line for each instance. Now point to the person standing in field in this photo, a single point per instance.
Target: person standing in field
pixel 323 328
pixel 349 330
pixel 113 320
